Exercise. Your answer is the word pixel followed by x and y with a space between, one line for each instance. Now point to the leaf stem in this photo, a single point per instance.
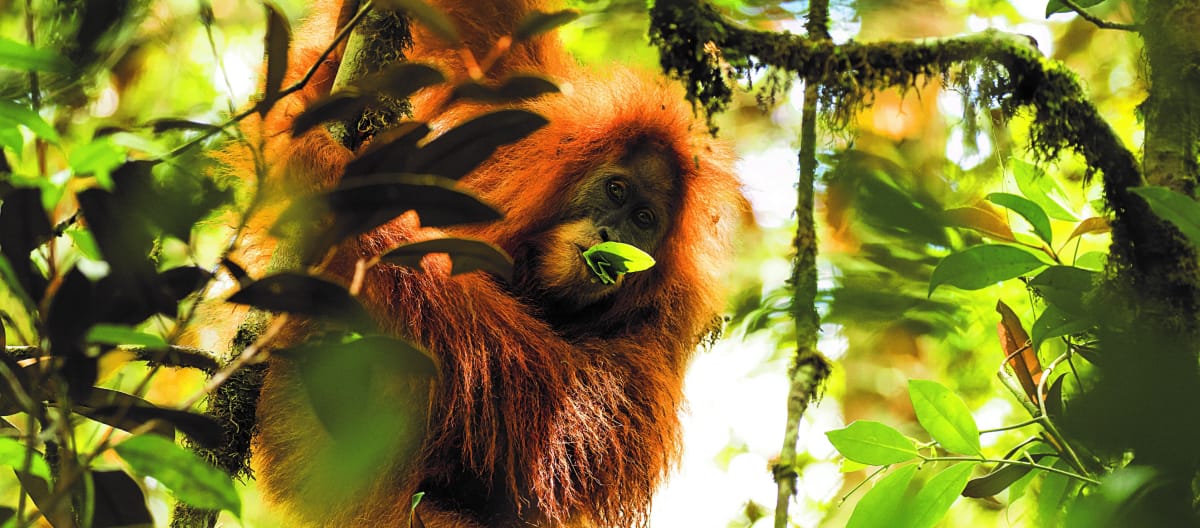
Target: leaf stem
pixel 1026 423
pixel 1033 465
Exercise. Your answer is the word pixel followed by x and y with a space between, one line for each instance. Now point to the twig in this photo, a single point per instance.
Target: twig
pixel 1099 22
pixel 295 87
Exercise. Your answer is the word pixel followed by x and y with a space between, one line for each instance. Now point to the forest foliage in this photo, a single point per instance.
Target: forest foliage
pixel 1015 305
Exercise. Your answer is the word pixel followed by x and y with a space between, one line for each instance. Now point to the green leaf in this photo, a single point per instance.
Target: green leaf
pixel 885 503
pixel 1028 210
pixel 982 266
pixel 363 203
pixel 1057 6
pixel 431 18
pixel 1108 504
pixel 539 22
pixel 192 480
pixel 608 260
pixel 124 335
pixel 937 495
pixel 1055 322
pixel 278 41
pixel 412 509
pixel 873 443
pixel 15 114
pixel 466 255
pixel 98 158
pixel 945 416
pixel 18 56
pixel 340 105
pixel 302 294
pixel 515 88
pixel 1092 260
pixel 14 453
pixel 462 148
pixel 401 80
pixel 1042 189
pixel 999 479
pixel 1065 287
pixel 1178 209
pixel 1056 493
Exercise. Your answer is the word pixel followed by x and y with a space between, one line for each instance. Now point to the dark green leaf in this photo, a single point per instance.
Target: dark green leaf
pixel 119 501
pixel 364 203
pixel 15 454
pixel 203 430
pixel 944 415
pixel 1057 6
pixel 539 22
pixel 466 255
pixel 167 124
pixel 71 313
pixel 1039 187
pixel 338 106
pixel 106 406
pixel 1054 399
pixel 184 280
pixel 1056 493
pixel 371 395
pixel 998 480
pixel 1065 287
pixel 23 227
pixel 401 80
pixel 278 41
pixel 439 202
pixel 937 495
pixel 191 479
pixel 337 378
pixel 1178 209
pixel 872 443
pixel 302 294
pixel 237 272
pixel 17 56
pixel 1111 504
pixel 982 266
pixel 431 18
pixel 885 504
pixel 1055 322
pixel 515 88
pixel 388 152
pixel 15 114
pixel 1028 210
pixel 461 149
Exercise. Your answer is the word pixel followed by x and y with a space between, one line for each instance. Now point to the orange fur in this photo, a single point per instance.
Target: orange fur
pixel 571 423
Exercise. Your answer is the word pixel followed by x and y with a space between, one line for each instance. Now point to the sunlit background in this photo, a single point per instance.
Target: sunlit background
pixel 880 329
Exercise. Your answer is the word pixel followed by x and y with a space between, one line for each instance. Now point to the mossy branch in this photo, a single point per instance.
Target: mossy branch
pixel 809 368
pixel 709 53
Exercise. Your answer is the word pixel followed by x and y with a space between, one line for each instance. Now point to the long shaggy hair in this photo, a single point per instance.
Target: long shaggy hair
pixel 538 416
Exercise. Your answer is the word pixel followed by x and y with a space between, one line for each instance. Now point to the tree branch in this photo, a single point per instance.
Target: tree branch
pixel 174 356
pixel 1099 22
pixel 809 369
